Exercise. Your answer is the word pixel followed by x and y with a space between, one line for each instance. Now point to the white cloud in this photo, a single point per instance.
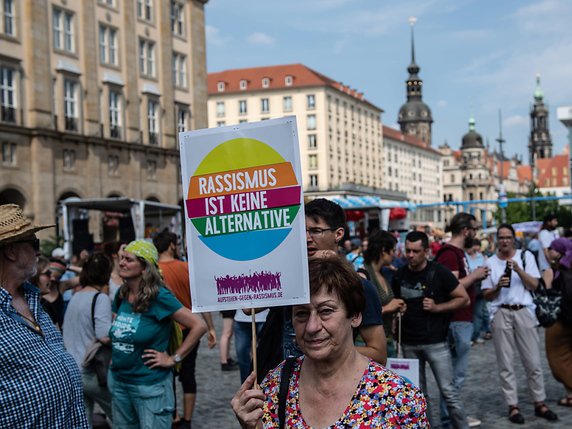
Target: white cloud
pixel 214 36
pixel 515 120
pixel 472 35
pixel 442 103
pixel 545 17
pixel 259 38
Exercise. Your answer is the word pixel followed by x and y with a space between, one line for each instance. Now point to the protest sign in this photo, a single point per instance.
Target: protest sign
pixel 244 216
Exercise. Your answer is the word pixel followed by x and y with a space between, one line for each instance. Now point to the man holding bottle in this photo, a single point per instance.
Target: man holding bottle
pixel 512 276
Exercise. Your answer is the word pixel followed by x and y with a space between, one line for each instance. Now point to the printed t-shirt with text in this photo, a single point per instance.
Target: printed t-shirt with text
pixel 131 333
pixel 418 325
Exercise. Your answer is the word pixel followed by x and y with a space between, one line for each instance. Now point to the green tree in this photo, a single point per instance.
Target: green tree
pixel 524 211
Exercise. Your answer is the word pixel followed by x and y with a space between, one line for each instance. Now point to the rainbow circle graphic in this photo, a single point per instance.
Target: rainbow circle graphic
pixel 243 199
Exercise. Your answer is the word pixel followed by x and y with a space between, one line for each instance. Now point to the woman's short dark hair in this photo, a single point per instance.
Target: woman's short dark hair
pixel 378 242
pixel 506 226
pixel 96 270
pixel 112 247
pixel 339 278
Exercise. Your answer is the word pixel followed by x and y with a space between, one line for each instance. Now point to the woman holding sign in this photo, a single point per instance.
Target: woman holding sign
pixel 141 377
pixel 332 385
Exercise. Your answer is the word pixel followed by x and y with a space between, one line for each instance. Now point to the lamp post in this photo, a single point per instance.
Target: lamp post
pixel 564 115
pixel 502 192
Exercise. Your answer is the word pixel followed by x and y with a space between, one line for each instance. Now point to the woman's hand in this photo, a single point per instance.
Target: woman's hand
pixel 211 338
pixel 394 306
pixel 247 404
pixel 154 359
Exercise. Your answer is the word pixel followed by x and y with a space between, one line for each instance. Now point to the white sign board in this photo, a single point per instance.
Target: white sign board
pixel 407 368
pixel 244 216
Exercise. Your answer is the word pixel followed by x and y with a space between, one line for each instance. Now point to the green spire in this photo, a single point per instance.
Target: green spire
pixel 538 94
pixel 471 123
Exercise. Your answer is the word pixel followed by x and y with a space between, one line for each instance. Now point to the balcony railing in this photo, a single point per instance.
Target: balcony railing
pixel 70 123
pixel 8 114
pixel 115 131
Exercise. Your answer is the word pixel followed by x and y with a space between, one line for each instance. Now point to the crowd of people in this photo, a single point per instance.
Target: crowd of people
pixel 320 364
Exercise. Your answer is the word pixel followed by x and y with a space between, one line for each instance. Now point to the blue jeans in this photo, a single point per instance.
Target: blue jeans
pixel 142 406
pixel 439 358
pixel 480 318
pixel 460 334
pixel 243 346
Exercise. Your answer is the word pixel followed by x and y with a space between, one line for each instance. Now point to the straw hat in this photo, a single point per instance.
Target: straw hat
pixel 14 225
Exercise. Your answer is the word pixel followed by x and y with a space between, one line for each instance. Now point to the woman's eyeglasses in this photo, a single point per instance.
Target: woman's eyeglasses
pixel 46 273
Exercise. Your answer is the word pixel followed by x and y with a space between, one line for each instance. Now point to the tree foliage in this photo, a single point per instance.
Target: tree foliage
pixel 528 210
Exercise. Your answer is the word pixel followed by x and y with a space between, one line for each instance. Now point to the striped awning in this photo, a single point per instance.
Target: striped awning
pixel 353 202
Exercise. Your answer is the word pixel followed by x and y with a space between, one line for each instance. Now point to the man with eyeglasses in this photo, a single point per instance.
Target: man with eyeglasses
pixel 325 228
pixel 513 275
pixel 40 383
pixel 463 229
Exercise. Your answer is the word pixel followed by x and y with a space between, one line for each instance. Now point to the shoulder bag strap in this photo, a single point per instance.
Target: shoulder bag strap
pixel 93 302
pixel 283 392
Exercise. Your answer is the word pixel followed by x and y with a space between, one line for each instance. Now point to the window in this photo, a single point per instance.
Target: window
pixel 114 114
pixel 242 107
pixel 243 84
pixel 312 141
pixel 108 45
pixel 145 9
pixel 311 101
pixel 220 109
pixel 178 18
pixel 313 180
pixel 151 169
pixel 264 105
pixel 70 105
pixel 69 159
pixel 110 3
pixel 9 153
pixel 8 23
pixel 242 121
pixel 312 162
pixel 62 22
pixel 452 178
pixel 153 121
pixel 220 123
pixel 113 165
pixel 287 103
pixel 183 115
pixel 146 58
pixel 179 70
pixel 8 94
pixel 288 80
pixel 311 122
pixel 220 86
pixel 265 82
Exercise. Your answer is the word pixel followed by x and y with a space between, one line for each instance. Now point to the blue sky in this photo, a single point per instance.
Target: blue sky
pixel 476 56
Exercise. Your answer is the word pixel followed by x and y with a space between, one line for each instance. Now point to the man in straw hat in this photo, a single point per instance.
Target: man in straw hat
pixel 40 384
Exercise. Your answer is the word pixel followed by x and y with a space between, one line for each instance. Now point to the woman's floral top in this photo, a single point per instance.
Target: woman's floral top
pixel 382 400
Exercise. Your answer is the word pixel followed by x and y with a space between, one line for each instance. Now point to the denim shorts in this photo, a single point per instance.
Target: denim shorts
pixel 139 406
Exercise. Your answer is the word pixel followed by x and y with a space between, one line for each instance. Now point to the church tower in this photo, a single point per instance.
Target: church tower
pixel 539 142
pixel 415 116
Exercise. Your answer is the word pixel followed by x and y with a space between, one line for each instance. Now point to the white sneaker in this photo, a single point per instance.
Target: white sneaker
pixel 479 341
pixel 473 423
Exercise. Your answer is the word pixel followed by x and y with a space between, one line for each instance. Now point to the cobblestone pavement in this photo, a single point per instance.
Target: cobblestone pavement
pixel 481 393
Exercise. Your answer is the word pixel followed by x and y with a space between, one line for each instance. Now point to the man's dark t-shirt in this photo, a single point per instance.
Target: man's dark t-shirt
pixel 419 326
pixel 454 258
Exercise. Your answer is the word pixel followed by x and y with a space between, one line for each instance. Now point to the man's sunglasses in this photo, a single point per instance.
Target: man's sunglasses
pixel 35 242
